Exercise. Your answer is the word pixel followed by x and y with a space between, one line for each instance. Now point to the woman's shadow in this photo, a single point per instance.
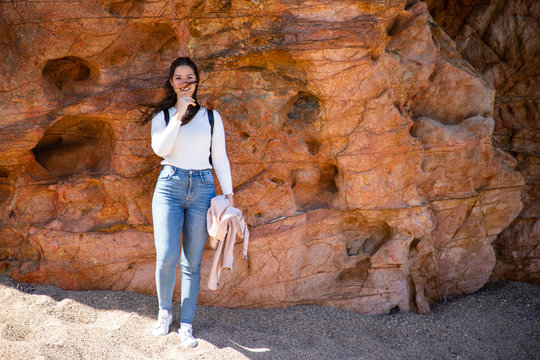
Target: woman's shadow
pixel 268 333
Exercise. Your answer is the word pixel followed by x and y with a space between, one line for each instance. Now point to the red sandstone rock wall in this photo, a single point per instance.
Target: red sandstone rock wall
pixel 360 143
pixel 501 39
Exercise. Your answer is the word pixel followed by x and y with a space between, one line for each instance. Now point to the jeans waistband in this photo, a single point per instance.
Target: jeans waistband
pixel 181 171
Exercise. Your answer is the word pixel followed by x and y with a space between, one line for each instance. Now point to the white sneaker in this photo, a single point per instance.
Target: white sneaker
pixel 163 322
pixel 186 336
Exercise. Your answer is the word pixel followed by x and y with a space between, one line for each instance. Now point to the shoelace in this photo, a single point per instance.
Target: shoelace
pixel 187 333
pixel 162 321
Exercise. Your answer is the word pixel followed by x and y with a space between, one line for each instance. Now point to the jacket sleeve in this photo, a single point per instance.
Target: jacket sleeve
pixel 163 136
pixel 219 156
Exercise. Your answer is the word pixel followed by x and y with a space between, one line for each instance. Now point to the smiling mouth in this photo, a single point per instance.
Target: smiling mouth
pixel 187 86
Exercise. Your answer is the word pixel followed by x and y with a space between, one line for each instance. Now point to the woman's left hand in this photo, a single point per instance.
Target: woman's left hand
pixel 230 198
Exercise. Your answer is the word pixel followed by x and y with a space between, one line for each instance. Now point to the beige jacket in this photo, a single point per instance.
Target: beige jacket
pixel 225 223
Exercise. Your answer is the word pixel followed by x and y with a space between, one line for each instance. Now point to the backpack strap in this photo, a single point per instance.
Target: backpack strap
pixel 211 121
pixel 166 113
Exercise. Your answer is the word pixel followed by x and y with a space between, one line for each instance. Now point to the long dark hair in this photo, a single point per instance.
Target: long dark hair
pixel 169 96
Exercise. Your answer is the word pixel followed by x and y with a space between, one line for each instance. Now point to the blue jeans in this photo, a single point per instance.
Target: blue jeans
pixel 181 200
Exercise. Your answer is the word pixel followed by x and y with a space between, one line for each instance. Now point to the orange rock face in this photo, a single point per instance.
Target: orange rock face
pixel 501 40
pixel 359 139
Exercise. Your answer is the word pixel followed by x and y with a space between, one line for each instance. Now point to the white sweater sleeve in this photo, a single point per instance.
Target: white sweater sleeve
pixel 163 137
pixel 219 156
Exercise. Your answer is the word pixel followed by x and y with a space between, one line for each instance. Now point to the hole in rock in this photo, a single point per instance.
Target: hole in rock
pixel 304 108
pixel 375 55
pixel 126 7
pixel 314 188
pixel 410 4
pixel 328 178
pixel 390 27
pixel 299 112
pixel 65 70
pixel 369 241
pixel 399 23
pixel 413 130
pixel 76 145
pixel 358 273
pixel 5 192
pixel 5 188
pixel 354 247
pixel 414 244
pixel 277 181
pixel 293 183
pixel 313 146
pixel 400 107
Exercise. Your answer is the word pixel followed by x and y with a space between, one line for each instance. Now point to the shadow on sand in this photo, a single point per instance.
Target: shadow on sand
pixel 469 327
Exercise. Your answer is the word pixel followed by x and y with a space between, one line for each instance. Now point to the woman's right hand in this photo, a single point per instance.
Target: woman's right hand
pixel 181 106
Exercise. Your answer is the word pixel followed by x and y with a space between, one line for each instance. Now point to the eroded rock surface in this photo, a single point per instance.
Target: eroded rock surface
pixel 360 143
pixel 501 39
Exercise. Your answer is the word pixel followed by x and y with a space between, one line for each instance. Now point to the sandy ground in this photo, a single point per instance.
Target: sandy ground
pixel 501 321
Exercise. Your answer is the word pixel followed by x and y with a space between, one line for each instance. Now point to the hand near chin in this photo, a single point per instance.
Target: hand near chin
pixel 182 105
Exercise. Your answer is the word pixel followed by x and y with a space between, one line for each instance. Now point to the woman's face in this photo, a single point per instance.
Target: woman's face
pixel 184 81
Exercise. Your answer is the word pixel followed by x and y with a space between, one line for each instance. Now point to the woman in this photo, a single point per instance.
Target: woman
pixel 183 191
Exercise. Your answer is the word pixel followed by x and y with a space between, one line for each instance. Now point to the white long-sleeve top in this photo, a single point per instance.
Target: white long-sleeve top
pixel 188 146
